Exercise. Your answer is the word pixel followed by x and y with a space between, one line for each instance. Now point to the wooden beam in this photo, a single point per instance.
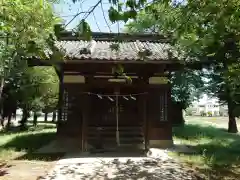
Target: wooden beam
pixel 139 69
pixel 93 66
pixel 33 61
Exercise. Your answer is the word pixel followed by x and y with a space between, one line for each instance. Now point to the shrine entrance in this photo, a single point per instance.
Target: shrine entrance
pixel 109 107
pixel 115 116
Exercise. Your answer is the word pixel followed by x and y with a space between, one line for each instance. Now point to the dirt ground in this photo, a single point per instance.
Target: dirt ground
pixel 34 169
pixel 24 170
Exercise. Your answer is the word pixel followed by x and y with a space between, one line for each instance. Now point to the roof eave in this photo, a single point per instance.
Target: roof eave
pixel 101 36
pixel 121 61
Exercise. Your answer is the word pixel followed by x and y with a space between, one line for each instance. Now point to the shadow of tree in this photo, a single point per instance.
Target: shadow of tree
pixel 3 169
pixel 219 149
pixel 115 169
pixel 29 143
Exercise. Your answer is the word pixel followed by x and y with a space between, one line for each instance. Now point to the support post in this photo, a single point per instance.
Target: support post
pixel 117 119
pixel 160 127
pixel 85 113
pixel 144 80
pixel 59 72
pixel 145 123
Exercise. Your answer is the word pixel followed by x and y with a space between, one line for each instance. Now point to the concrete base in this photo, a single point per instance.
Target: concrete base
pixel 160 143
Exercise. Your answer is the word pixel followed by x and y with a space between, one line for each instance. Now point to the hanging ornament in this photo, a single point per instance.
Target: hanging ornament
pixel 124 97
pixel 132 97
pixel 110 98
pixel 100 97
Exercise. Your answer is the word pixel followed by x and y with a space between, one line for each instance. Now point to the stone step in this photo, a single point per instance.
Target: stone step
pixel 123 128
pixel 121 132
pixel 113 138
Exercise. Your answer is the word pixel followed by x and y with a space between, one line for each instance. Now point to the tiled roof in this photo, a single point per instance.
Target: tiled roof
pixel 99 48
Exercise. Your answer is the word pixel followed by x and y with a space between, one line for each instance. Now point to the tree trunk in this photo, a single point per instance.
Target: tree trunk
pixel 1 101
pixel 23 122
pixel 35 117
pixel 9 122
pixel 45 117
pixel 54 116
pixel 232 125
pixel 1 87
pixel 177 114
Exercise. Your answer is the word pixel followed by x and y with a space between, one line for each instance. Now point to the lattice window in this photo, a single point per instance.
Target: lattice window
pixel 166 106
pixel 65 106
pixel 163 106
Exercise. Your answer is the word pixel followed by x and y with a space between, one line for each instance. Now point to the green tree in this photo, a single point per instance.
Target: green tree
pixel 187 84
pixel 25 27
pixel 38 89
pixel 25 31
pixel 206 32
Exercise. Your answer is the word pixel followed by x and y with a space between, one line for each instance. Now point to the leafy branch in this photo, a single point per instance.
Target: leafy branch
pixel 118 71
pixel 87 12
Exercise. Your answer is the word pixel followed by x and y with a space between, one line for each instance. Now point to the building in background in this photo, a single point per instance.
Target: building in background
pixel 207 107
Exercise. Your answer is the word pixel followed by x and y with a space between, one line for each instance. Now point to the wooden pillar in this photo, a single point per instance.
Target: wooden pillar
pixel 160 127
pixel 59 72
pixel 86 98
pixel 146 138
pixel 85 118
pixel 143 110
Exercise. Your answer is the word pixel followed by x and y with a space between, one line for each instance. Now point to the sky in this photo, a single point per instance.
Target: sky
pixel 66 9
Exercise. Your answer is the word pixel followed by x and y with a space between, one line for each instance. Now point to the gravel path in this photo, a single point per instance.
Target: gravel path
pixel 119 168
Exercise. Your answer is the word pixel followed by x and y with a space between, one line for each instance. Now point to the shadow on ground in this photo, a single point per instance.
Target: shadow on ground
pixel 3 169
pixel 29 143
pixel 123 169
pixel 129 170
pixel 108 154
pixel 219 149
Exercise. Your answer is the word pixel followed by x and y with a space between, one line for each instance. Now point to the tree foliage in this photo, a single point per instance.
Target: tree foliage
pixel 205 31
pixel 187 83
pixel 26 30
pixel 38 89
pixel 25 27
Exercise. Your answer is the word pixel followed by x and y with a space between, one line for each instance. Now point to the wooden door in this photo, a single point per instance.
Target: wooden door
pixel 102 107
pixel 128 103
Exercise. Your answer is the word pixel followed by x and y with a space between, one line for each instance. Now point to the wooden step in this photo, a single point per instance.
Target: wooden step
pixel 128 136
pixel 113 138
pixel 123 128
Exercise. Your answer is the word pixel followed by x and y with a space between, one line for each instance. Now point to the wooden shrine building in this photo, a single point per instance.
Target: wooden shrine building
pixel 116 93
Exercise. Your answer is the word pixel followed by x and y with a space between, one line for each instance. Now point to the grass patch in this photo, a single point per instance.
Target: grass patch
pixel 22 145
pixel 217 152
